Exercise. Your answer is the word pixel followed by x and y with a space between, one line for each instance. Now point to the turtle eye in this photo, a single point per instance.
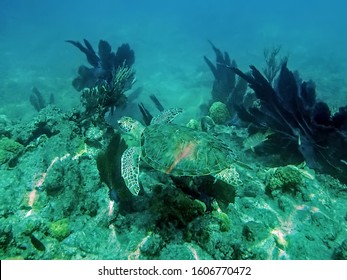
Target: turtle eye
pixel 123 126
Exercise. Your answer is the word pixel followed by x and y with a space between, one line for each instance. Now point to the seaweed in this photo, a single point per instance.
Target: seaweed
pixel 301 122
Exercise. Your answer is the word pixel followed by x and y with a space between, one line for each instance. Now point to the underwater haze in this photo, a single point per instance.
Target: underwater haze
pixel 254 166
pixel 169 39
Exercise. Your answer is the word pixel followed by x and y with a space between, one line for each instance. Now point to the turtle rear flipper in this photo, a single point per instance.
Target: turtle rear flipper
pixel 130 169
pixel 167 116
pixel 229 176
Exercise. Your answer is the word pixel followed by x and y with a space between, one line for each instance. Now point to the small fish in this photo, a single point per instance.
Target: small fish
pixel 256 139
pixel 37 243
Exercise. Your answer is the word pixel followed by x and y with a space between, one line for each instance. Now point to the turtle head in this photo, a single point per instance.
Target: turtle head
pixel 131 126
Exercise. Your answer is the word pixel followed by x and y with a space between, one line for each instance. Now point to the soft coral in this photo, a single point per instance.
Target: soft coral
pixel 290 109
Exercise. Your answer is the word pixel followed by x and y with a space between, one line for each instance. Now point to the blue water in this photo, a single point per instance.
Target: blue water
pixel 169 39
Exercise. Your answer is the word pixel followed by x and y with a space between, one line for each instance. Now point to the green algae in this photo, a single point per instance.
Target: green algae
pixel 60 229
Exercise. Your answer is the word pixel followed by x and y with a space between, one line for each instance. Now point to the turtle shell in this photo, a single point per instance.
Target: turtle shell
pixel 182 151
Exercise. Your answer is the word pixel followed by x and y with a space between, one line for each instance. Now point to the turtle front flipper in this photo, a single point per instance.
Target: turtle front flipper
pixel 130 169
pixel 229 176
pixel 167 116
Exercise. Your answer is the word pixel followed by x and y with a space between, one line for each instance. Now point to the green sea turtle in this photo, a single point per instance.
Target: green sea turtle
pixel 175 150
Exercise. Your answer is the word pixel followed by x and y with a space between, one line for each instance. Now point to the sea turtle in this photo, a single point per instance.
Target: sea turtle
pixel 175 150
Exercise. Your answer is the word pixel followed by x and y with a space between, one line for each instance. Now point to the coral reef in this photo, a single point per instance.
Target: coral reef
pixel 45 125
pixel 52 191
pixel 104 64
pixel 224 80
pixel 38 101
pixel 103 97
pixel 283 179
pixel 5 126
pixel 273 63
pixel 194 124
pixel 300 122
pixel 103 86
pixel 341 252
pixel 226 87
pixel 109 165
pixel 219 112
pixel 9 149
pixel 146 115
pixel 60 229
pixel 62 200
pixel 175 208
pixel 62 195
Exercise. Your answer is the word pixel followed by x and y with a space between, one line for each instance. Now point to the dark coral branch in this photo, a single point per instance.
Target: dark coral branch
pixel 273 63
pixel 104 84
pixel 146 115
pixel 37 100
pixel 104 64
pixel 92 58
pixel 291 110
pixel 226 88
pixel 102 97
pixel 156 102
